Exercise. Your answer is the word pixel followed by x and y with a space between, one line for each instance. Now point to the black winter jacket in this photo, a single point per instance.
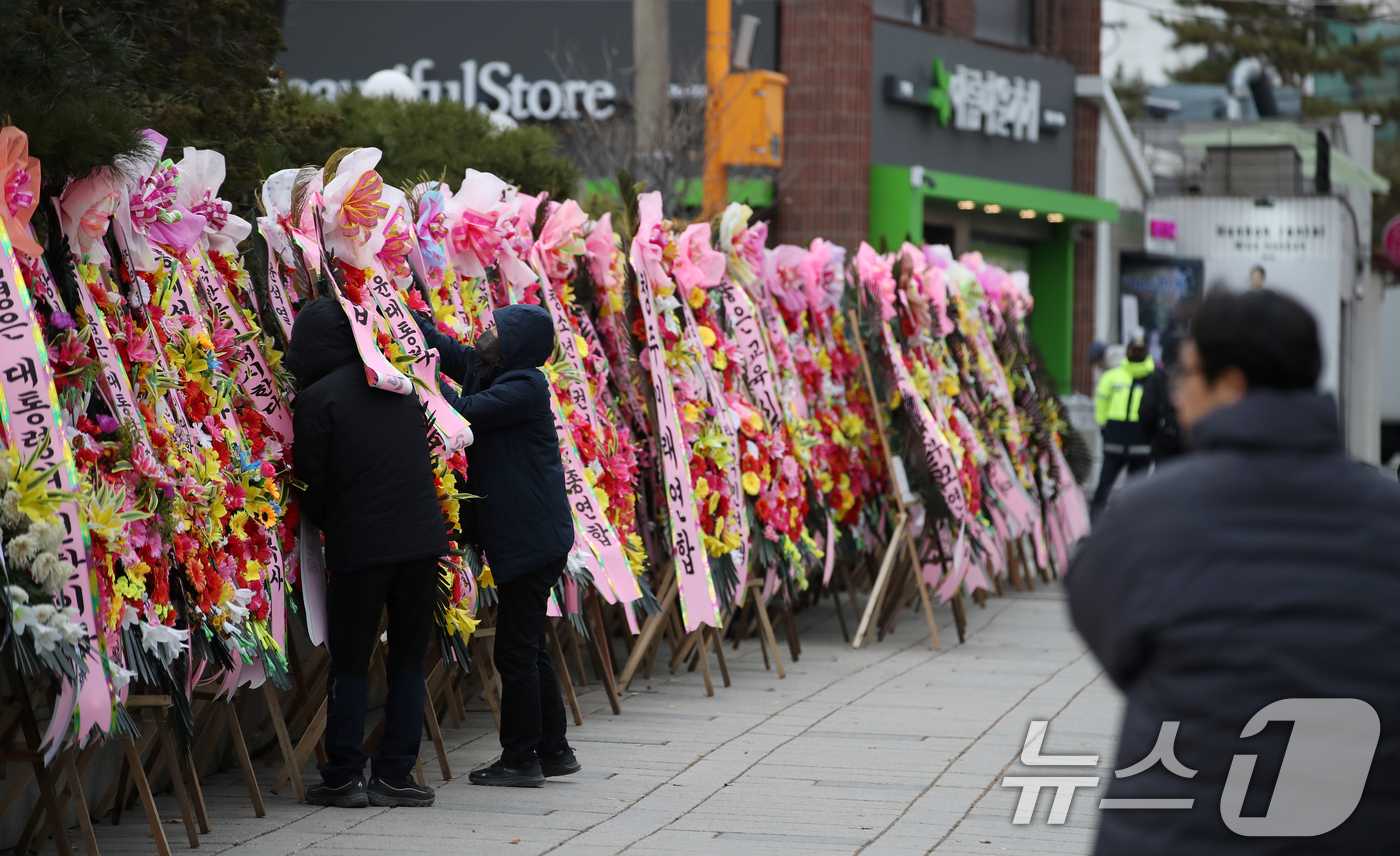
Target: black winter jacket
pixel 523 519
pixel 361 452
pixel 1262 566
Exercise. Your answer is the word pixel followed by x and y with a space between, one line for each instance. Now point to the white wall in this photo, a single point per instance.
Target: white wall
pixel 1307 266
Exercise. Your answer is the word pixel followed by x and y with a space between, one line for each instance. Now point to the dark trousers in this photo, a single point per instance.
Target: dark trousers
pixel 1113 464
pixel 354 602
pixel 532 711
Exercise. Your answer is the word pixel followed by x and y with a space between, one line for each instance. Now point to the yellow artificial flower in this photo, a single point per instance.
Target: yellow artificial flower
pixel 751 484
pixel 721 360
pixel 707 336
pixel 702 488
pixel 697 297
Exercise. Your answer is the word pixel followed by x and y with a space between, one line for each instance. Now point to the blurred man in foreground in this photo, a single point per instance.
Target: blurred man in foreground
pixel 1262 567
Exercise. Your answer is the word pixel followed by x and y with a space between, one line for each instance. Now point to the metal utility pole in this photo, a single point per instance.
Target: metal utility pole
pixel 651 52
pixel 717 24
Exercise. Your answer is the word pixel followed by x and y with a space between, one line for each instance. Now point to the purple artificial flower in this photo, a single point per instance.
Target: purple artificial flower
pixel 107 424
pixel 62 320
pixel 168 491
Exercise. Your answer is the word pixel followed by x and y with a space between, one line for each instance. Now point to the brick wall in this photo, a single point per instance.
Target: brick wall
pixel 1079 30
pixel 824 186
pixel 957 17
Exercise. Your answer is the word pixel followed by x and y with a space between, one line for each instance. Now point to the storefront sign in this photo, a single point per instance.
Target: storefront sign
pixel 973 99
pixel 494 87
pixel 546 60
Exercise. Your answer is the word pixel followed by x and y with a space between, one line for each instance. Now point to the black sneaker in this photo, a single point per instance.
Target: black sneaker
pixel 399 793
pixel 563 764
pixel 349 794
pixel 502 775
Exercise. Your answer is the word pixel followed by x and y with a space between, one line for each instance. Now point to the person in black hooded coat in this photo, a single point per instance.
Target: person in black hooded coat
pixel 361 455
pixel 523 522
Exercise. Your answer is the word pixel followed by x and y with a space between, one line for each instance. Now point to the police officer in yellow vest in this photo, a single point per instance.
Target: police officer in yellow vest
pixel 1116 409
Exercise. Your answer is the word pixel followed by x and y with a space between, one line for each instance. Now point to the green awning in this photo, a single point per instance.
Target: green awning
pixel 1344 169
pixel 1018 197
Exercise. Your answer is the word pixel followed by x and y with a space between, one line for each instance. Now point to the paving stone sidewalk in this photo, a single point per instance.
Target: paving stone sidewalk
pixel 892 749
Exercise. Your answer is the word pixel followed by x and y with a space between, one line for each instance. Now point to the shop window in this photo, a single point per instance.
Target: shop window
pixel 1006 21
pixel 909 11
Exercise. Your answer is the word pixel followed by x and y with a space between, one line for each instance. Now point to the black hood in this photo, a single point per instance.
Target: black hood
pixel 1302 421
pixel 527 336
pixel 321 341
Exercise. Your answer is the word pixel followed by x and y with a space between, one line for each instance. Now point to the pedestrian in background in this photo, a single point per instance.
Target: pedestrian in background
pixel 524 524
pixel 362 458
pixel 1262 566
pixel 1117 409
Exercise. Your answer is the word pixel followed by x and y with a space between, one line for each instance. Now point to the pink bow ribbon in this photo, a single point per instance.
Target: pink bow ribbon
pixel 476 233
pixel 214 210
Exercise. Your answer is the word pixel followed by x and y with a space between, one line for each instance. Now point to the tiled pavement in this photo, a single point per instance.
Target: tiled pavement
pixel 892 749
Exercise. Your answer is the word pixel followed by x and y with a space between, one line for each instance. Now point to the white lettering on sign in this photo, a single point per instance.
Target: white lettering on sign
pixel 997 105
pixel 493 87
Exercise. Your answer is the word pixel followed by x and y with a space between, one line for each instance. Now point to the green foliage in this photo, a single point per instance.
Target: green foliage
pixel 1293 40
pixel 204 77
pixel 84 77
pixel 1131 93
pixel 423 138
pixel 61 82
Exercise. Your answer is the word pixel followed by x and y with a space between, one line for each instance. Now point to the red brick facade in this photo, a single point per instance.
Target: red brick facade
pixel 825 50
pixel 1080 29
pixel 956 17
pixel 824 188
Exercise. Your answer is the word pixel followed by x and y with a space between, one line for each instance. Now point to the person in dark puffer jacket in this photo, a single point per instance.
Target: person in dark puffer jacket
pixel 1253 580
pixel 362 456
pixel 523 522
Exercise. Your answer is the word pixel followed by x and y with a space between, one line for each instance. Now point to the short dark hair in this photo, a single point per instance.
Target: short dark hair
pixel 1269 336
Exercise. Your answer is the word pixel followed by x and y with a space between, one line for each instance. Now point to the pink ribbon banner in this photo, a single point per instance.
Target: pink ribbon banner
pixel 254 376
pixel 936 449
pixel 697 590
pixel 277 284
pixel 758 368
pixel 115 383
pixel 591 524
pixel 450 429
pixel 31 417
pixel 734 473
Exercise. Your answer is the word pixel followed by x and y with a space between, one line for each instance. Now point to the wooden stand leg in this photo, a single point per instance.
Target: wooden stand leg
pixel 75 790
pixel 284 740
pixel 565 680
pixel 240 749
pixel 881 579
pixel 303 750
pixel 719 653
pixel 840 615
pixel 430 718
pixel 651 628
pixel 769 639
pixel 167 742
pixel 960 616
pixel 704 656
pixel 599 644
pixel 133 759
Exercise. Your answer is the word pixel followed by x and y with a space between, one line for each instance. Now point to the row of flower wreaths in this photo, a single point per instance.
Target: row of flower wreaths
pixel 709 395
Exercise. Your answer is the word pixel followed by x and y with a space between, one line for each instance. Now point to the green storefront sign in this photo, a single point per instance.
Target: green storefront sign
pixel 897 215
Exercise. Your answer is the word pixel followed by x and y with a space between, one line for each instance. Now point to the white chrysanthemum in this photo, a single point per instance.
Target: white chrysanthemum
pixel 50 572
pixel 20 552
pixel 50 535
pixel 5 469
pixel 10 515
pixel 18 595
